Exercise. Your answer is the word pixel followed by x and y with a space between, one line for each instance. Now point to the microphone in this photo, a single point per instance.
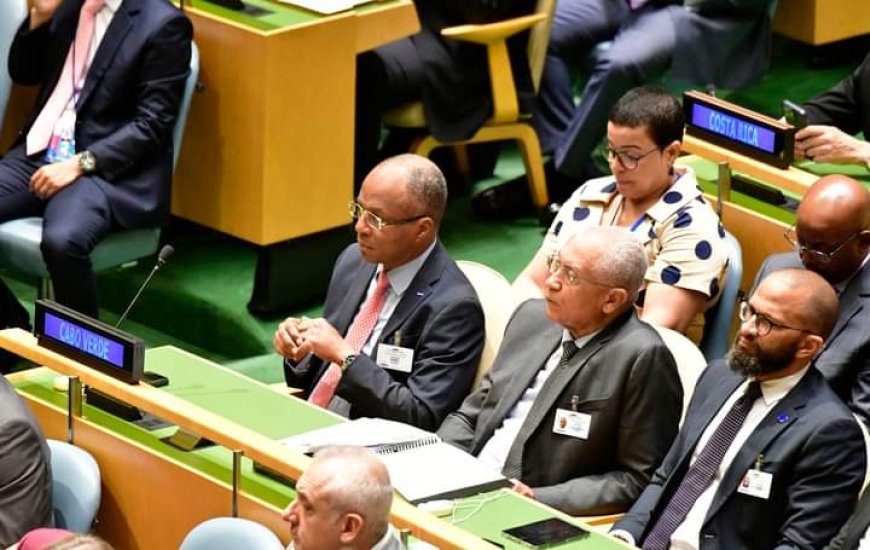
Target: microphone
pixel 162 257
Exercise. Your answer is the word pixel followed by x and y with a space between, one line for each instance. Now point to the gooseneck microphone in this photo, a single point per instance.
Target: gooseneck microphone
pixel 162 257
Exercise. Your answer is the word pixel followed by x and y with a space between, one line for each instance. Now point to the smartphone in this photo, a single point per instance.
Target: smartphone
pixel 546 532
pixel 794 114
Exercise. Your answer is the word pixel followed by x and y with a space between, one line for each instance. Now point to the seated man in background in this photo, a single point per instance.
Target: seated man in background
pixel 402 331
pixel 832 238
pixel 343 502
pixel 661 204
pixel 96 152
pixel 583 399
pixel 450 76
pixel 834 117
pixel 25 470
pixel 724 43
pixel 768 455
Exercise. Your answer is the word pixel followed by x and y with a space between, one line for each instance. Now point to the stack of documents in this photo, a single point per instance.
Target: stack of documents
pixel 326 7
pixel 421 466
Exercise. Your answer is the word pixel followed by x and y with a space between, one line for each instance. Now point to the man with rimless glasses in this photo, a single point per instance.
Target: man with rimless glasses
pixel 402 329
pixel 832 238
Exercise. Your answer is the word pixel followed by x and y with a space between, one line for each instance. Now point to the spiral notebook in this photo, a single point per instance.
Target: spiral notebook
pixel 421 466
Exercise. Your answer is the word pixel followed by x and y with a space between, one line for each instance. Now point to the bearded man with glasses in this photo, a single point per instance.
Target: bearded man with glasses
pixel 402 329
pixel 832 238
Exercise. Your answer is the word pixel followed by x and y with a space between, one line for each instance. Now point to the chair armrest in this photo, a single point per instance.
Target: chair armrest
pixel 493 32
pixel 494 36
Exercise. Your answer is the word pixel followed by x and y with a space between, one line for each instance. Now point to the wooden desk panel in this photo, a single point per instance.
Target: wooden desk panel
pixel 822 21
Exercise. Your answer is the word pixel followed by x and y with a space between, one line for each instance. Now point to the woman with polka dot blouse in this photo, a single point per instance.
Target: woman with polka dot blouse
pixel 660 204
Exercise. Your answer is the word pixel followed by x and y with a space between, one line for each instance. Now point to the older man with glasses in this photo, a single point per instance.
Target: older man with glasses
pixel 832 238
pixel 402 329
pixel 583 399
pixel 768 455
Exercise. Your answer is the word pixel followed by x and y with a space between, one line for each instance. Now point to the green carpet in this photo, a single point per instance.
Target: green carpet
pixel 198 300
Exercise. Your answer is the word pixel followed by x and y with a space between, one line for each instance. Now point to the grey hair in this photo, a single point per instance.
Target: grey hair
pixel 356 481
pixel 425 182
pixel 621 259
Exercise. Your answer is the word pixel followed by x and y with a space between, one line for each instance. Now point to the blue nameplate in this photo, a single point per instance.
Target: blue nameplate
pixel 88 341
pixel 738 129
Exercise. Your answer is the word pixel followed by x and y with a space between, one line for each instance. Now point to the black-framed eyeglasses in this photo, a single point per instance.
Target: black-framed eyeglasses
pixel 374 221
pixel 763 323
pixel 817 256
pixel 554 266
pixel 627 160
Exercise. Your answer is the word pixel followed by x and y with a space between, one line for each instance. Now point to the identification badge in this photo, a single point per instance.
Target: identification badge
pixel 572 423
pixel 395 358
pixel 62 145
pixel 756 484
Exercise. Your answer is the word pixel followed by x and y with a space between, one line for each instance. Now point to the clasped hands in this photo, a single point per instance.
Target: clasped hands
pixel 297 337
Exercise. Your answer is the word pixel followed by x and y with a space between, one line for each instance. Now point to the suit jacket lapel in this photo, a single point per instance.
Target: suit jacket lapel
pixel 851 301
pixel 777 419
pixel 118 30
pixel 418 291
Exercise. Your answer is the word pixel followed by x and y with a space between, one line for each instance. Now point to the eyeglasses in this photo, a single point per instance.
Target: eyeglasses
pixel 554 265
pixel 374 221
pixel 763 323
pixel 627 160
pixel 817 256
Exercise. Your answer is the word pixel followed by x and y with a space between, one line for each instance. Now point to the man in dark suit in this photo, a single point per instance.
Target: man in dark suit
pixel 855 529
pixel 768 455
pixel 832 238
pixel 25 472
pixel 96 152
pixel 834 117
pixel 450 76
pixel 402 331
pixel 583 399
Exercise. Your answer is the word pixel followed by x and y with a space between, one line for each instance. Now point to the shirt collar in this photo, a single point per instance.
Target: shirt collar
pixel 775 389
pixel 113 5
pixel 841 286
pixel 683 191
pixel 581 340
pixel 401 276
pixel 385 540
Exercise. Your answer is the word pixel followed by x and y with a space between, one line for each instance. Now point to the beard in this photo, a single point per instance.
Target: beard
pixel 762 362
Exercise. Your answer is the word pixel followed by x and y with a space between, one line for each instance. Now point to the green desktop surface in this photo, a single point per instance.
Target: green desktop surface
pixel 488 514
pixel 274 15
pixel 258 407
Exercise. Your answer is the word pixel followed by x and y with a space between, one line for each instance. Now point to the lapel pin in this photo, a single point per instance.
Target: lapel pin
pixel 782 419
pixel 420 293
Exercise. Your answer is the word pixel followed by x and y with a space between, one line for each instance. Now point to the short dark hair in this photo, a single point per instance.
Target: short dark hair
pixel 653 107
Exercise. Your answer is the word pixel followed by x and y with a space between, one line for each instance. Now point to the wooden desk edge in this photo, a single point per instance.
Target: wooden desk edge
pixel 227 434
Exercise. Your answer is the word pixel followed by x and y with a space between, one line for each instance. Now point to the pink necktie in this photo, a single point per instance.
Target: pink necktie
pixel 637 4
pixel 357 335
pixel 40 133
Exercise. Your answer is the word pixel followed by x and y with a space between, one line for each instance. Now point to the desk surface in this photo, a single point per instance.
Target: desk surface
pixel 257 407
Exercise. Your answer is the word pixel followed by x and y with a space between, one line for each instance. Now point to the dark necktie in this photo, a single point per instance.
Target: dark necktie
pixel 569 348
pixel 700 474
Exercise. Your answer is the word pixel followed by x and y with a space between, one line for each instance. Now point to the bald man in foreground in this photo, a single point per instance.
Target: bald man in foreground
pixel 768 455
pixel 831 238
pixel 342 502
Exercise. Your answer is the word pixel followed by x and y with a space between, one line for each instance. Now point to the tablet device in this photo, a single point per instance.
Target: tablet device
pixel 545 533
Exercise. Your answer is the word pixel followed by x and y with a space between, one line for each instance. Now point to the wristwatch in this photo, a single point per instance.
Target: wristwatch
pixel 348 360
pixel 87 162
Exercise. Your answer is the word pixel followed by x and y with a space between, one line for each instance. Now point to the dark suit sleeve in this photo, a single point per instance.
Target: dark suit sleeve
pixel 445 362
pixel 28 54
pixel 841 105
pixel 164 67
pixel 651 408
pixel 825 483
pixel 25 498
pixel 854 529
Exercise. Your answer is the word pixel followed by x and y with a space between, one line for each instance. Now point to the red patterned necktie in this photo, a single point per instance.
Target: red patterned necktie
pixel 700 474
pixel 357 335
pixel 41 130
